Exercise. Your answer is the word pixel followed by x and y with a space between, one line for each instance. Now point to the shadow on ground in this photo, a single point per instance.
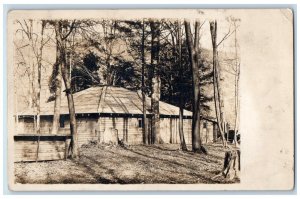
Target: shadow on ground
pixel 140 164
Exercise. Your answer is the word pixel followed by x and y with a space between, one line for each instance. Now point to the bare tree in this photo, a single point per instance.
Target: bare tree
pixel 181 133
pixel 39 65
pixel 218 93
pixel 36 43
pixel 145 132
pixel 58 84
pixel 26 28
pixel 63 29
pixel 156 82
pixel 193 48
pixel 217 88
pixel 236 83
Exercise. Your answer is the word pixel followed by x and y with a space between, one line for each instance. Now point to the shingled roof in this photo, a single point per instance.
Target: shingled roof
pixel 109 100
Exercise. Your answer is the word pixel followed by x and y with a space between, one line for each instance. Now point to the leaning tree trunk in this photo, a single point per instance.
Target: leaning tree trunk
pixel 232 165
pixel 65 75
pixel 73 127
pixel 216 83
pixel 196 139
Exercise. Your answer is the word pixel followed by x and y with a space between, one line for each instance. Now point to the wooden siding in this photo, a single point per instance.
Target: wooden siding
pixel 122 128
pixel 45 149
pixel 187 130
pixel 108 129
pixel 26 126
pixel 170 130
pixel 102 130
pixel 86 128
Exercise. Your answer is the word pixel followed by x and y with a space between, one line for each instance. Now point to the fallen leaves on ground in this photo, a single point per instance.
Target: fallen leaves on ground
pixel 147 164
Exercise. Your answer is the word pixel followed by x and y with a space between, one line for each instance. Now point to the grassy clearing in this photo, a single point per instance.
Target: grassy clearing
pixel 140 164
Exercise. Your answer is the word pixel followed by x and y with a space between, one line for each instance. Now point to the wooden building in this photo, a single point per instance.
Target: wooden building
pixel 104 114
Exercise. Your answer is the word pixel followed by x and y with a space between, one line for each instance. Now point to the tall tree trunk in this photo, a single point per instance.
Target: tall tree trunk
pixel 236 107
pixel 215 132
pixel 16 109
pixel 156 82
pixel 155 110
pixel 197 54
pixel 58 82
pixel 39 63
pixel 236 93
pixel 216 80
pixel 181 133
pixel 73 127
pixel 145 132
pixel 33 97
pixel 65 75
pixel 196 139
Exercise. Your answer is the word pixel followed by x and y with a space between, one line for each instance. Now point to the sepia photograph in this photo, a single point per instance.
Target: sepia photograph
pixel 127 100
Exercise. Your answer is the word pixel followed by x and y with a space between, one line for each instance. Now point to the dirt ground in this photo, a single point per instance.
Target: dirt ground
pixel 140 164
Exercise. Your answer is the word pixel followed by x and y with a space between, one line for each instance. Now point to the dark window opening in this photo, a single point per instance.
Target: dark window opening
pixel 140 123
pixel 28 120
pixel 61 122
pixel 205 125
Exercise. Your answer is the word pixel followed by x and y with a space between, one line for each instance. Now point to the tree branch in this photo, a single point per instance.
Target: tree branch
pixel 71 29
pixel 227 35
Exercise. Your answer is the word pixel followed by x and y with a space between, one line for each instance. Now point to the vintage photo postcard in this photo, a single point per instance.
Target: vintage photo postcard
pixel 182 99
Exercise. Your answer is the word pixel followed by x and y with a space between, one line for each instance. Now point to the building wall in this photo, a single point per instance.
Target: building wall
pixel 39 149
pixel 102 130
pixel 110 129
pixel 122 128
pixel 86 129
pixel 187 129
pixel 26 126
pixel 169 130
